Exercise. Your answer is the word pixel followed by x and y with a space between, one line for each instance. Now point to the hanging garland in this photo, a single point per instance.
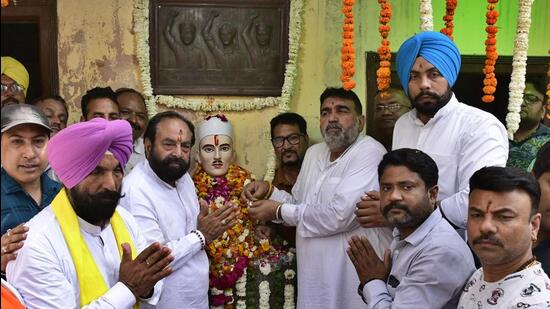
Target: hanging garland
pixel 519 64
pixel 426 16
pixel 383 74
pixel 490 81
pixel 141 29
pixel 448 18
pixel 348 52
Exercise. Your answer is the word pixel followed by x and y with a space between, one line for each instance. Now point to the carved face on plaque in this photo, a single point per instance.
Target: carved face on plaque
pixel 187 33
pixel 263 34
pixel 227 34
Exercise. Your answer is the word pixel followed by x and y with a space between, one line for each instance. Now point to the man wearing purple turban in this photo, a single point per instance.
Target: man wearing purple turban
pixel 81 250
pixel 460 138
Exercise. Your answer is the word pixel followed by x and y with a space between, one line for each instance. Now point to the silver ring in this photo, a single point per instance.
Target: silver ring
pixel 4 250
pixel 249 203
pixel 147 262
pixel 8 232
pixel 224 222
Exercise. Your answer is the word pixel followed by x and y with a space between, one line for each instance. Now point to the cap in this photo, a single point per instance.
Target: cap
pixel 215 125
pixel 14 115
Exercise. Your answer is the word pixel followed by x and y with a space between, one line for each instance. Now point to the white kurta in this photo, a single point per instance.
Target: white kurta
pixel 461 139
pixel 322 208
pixel 168 215
pixel 44 271
pixel 529 288
pixel 138 155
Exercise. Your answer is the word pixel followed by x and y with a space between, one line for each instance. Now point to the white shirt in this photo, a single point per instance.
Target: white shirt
pixel 461 139
pixel 138 155
pixel 168 215
pixel 44 271
pixel 529 288
pixel 322 208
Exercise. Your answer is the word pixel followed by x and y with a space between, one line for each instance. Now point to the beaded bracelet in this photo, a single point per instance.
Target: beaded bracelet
pixel 201 237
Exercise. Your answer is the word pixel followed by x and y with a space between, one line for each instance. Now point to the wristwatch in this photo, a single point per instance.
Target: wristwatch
pixel 360 292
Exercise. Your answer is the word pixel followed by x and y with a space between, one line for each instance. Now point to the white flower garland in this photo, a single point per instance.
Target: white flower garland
pixel 141 29
pixel 289 290
pixel 265 292
pixel 240 291
pixel 426 16
pixel 519 64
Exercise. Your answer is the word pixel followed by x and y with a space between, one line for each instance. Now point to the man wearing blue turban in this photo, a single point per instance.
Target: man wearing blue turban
pixel 460 138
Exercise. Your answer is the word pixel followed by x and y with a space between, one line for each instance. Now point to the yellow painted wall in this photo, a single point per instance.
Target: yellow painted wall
pixel 96 48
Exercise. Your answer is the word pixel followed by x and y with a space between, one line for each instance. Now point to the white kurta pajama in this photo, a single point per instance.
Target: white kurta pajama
pixel 44 271
pixel 322 208
pixel 168 215
pixel 461 139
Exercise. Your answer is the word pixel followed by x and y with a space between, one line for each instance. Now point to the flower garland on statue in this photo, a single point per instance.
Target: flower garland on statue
pixel 519 64
pixel 490 81
pixel 448 18
pixel 231 253
pixel 141 29
pixel 289 289
pixel 348 52
pixel 426 15
pixel 383 74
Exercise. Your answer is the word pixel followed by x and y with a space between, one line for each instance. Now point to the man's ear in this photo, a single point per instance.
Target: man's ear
pixel 147 145
pixel 361 123
pixel 535 225
pixel 432 194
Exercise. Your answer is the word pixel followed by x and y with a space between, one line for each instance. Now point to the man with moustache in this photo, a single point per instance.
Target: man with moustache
pixel 99 102
pixel 333 177
pixel 503 221
pixel 461 139
pixel 290 141
pixel 26 188
pixel 132 108
pixel 425 247
pixel 389 106
pixel 81 251
pixel 55 109
pixel 160 193
pixel 15 81
pixel 531 134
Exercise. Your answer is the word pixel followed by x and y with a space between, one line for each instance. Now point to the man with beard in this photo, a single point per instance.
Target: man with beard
pixel 332 179
pixel 531 134
pixel 425 247
pixel 55 109
pixel 81 250
pixel 461 139
pixel 390 105
pixel 161 195
pixel 290 141
pixel 132 108
pixel 503 222
pixel 26 188
pixel 15 81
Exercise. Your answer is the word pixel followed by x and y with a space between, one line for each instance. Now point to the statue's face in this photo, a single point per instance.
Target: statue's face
pixel 216 154
pixel 187 33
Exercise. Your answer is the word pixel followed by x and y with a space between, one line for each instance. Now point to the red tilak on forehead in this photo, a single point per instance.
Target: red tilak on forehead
pixel 180 136
pixel 216 140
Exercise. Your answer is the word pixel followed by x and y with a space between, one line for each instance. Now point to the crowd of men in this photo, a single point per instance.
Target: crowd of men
pixel 398 220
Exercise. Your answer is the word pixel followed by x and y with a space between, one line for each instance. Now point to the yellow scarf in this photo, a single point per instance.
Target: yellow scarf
pixel 91 282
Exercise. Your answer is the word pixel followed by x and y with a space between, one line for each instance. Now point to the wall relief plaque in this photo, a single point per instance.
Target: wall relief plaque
pixel 219 47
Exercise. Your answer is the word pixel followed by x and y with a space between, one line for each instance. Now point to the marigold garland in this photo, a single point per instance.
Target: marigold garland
pixel 5 3
pixel 490 81
pixel 448 18
pixel 383 74
pixel 348 52
pixel 231 253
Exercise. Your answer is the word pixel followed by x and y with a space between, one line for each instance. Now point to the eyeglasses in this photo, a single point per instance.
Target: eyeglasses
pixel 293 139
pixel 14 88
pixel 531 99
pixel 391 107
